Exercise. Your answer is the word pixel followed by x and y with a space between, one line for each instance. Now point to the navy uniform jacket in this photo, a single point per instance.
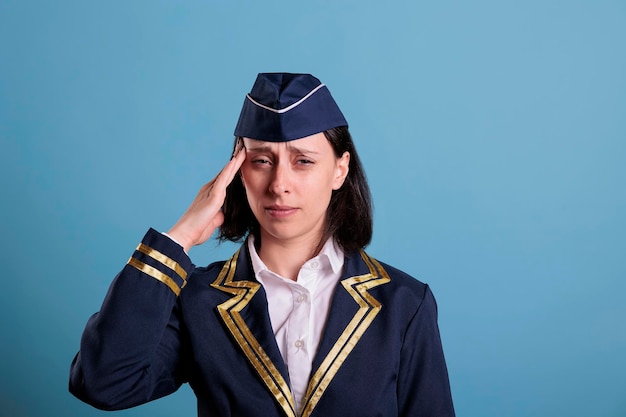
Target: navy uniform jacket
pixel 164 323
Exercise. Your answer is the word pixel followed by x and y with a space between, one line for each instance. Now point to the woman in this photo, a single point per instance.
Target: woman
pixel 300 321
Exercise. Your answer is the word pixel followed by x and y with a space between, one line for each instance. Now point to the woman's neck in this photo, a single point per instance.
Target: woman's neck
pixel 286 258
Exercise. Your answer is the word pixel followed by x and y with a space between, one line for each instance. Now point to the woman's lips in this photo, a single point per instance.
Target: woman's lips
pixel 280 211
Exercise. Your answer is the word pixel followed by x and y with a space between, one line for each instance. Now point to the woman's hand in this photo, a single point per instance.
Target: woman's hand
pixel 204 215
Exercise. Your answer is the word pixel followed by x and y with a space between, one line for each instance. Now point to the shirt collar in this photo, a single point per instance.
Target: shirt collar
pixel 333 255
pixel 330 254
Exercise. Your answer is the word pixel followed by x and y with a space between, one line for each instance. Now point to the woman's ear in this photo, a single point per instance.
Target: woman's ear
pixel 341 170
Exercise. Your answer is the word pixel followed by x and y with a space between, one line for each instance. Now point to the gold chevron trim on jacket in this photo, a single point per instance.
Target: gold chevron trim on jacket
pixel 369 307
pixel 243 291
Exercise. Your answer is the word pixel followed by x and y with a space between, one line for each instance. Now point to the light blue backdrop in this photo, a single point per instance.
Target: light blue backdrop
pixel 492 133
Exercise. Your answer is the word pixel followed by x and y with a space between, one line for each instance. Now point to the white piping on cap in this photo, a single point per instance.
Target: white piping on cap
pixel 286 109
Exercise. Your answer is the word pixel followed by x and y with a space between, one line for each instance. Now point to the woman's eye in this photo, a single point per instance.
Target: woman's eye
pixel 260 161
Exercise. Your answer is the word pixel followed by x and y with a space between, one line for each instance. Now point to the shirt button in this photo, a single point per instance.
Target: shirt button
pixel 301 298
pixel 298 343
pixel 315 264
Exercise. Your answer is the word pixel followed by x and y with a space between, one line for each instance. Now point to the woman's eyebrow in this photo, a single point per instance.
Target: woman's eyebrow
pixel 258 149
pixel 295 149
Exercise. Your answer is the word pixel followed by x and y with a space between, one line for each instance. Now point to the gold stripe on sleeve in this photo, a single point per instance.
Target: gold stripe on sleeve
pixel 155 273
pixel 164 259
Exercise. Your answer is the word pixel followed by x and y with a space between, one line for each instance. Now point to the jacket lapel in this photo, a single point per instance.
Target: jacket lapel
pixel 351 312
pixel 247 318
pixel 246 315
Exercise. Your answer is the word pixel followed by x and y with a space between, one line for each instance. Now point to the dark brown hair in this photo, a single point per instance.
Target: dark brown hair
pixel 349 213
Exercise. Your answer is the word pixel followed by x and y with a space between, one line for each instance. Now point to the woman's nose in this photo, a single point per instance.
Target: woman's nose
pixel 280 180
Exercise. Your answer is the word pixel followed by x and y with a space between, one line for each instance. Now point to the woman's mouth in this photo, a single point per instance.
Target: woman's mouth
pixel 280 211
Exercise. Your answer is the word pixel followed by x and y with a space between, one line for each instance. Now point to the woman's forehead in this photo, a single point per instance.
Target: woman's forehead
pixel 316 143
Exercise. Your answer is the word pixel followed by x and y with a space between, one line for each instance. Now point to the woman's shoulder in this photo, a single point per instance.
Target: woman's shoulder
pixel 206 273
pixel 401 293
pixel 402 280
pixel 211 268
pixel 399 281
pixel 237 262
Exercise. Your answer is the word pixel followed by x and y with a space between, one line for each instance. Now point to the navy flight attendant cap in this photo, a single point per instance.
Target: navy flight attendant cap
pixel 283 107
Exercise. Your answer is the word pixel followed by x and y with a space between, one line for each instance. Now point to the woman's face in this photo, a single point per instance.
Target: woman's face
pixel 289 185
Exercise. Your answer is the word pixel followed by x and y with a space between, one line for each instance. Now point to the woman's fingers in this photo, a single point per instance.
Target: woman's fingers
pixel 225 177
pixel 204 214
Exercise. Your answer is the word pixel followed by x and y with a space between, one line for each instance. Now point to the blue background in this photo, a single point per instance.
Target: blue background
pixel 492 133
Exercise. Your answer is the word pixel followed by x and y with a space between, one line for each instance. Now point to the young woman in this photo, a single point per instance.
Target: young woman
pixel 300 321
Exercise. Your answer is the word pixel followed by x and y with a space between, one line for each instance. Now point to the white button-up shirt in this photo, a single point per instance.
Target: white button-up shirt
pixel 298 309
